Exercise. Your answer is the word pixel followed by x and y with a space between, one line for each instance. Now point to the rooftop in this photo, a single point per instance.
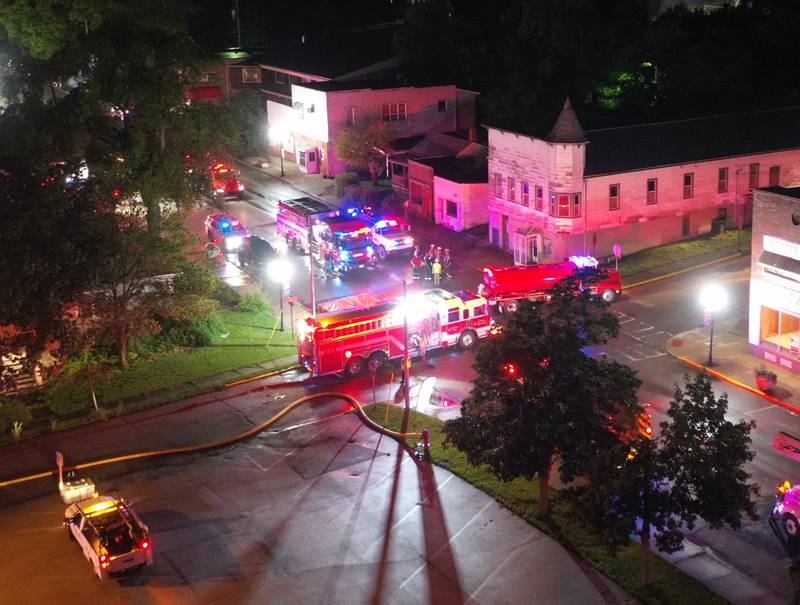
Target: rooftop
pixel 342 85
pixel 473 169
pixel 785 191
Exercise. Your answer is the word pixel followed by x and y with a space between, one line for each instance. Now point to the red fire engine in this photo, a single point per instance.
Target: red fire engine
pixel 507 286
pixel 347 341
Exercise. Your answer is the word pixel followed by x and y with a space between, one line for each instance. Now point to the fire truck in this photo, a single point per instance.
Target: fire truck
pixel 225 181
pixel 348 341
pixel 343 243
pixel 505 287
pixel 296 218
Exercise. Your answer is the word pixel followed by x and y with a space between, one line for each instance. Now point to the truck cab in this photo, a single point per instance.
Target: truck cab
pixel 391 235
pixel 225 181
pixel 344 242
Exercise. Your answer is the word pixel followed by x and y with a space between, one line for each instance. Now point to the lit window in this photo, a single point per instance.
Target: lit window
pixel 563 205
pixel 688 185
pixel 498 185
pixel 526 193
pixel 539 198
pixel 722 180
pixel 394 111
pixel 251 75
pixel 512 189
pixel 753 175
pixel 652 191
pixel 613 197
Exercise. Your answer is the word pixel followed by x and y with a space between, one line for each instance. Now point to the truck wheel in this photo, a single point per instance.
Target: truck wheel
pixel 512 306
pixel 791 526
pixel 375 362
pixel 354 367
pixel 608 295
pixel 381 252
pixel 467 339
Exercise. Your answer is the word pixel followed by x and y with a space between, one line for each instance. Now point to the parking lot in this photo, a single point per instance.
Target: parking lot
pixel 326 513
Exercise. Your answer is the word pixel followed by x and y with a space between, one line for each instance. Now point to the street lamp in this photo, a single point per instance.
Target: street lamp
pixel 278 133
pixel 280 272
pixel 713 299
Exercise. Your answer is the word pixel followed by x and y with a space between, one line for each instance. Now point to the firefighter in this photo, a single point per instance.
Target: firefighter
pixel 436 271
pixel 429 258
pixel 447 264
pixel 417 265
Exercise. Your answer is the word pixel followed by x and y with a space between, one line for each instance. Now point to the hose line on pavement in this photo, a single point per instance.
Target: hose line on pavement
pixel 219 443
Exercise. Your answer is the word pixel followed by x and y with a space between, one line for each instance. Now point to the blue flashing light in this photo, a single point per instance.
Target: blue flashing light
pixel 344 255
pixel 224 224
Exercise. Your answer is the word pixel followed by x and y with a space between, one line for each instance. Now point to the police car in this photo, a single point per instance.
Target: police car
pixel 111 535
pixel 391 235
pixel 226 231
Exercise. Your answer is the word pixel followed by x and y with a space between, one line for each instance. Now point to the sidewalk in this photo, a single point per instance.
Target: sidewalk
pixel 733 362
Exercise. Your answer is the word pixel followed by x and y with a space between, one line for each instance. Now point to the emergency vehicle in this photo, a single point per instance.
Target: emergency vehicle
pixel 506 287
pixel 348 341
pixel 343 243
pixel 110 534
pixel 391 235
pixel 225 181
pixel 296 217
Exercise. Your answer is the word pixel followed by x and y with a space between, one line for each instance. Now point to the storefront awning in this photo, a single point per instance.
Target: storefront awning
pixel 780 265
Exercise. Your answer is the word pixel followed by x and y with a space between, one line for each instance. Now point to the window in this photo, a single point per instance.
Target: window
pixel 251 75
pixel 613 197
pixel 441 106
pixel 208 76
pixel 452 209
pixel 565 205
pixel 552 204
pixel 512 189
pixel 394 111
pixel 753 175
pixel 350 113
pixel 722 180
pixel 280 77
pixel 526 193
pixel 399 170
pixel 774 176
pixel 688 185
pixel 498 185
pixel 452 316
pixel 479 311
pixel 539 198
pixel 465 314
pixel 576 205
pixel 652 191
pixel 415 193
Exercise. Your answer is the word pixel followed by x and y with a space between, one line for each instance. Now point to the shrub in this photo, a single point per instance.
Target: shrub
pixel 176 334
pixel 68 400
pixel 225 295
pixel 252 303
pixel 342 181
pixel 13 411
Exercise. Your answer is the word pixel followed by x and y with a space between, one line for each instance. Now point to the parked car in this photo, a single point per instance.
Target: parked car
pixel 111 535
pixel 226 231
pixel 256 252
pixel 225 181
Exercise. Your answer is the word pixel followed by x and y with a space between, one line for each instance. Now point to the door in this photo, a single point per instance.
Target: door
pixel 686 226
pixel 504 232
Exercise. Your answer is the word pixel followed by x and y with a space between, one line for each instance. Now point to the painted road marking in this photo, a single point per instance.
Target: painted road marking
pixel 443 546
pixel 503 563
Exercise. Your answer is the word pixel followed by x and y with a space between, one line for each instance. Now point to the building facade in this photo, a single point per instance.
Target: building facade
pixel 457 196
pixel 580 192
pixel 322 110
pixel 774 327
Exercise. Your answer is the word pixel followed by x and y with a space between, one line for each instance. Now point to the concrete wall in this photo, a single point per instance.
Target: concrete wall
pixel 420 188
pixel 470 199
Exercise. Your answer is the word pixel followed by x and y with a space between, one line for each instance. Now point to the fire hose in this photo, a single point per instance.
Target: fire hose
pixel 220 443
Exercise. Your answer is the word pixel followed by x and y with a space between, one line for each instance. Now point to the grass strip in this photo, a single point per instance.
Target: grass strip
pixel 670 586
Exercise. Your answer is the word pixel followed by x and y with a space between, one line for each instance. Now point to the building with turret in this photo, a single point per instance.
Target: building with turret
pixel 569 191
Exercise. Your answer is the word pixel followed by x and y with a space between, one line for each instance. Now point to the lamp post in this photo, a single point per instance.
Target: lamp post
pixel 712 299
pixel 279 134
pixel 280 272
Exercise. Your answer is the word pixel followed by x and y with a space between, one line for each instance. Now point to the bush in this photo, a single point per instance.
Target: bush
pixel 177 334
pixel 252 303
pixel 68 399
pixel 226 295
pixel 342 181
pixel 11 411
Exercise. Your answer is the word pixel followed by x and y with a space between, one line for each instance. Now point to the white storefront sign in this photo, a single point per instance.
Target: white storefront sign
pixel 776 245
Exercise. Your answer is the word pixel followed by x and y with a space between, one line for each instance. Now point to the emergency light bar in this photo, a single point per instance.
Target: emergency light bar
pixel 382 224
pixel 583 262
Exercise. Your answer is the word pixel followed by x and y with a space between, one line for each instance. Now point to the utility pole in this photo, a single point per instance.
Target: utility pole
pixel 311 273
pixel 235 13
pixel 406 353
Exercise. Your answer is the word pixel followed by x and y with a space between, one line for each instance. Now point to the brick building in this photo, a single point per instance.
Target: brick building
pixel 774 327
pixel 574 191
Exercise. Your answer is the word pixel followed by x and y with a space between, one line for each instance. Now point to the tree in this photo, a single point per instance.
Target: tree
pixel 249 121
pixel 692 469
pixel 539 399
pixel 90 367
pixel 366 148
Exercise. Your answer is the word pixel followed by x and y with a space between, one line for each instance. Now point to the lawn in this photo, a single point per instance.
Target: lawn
pixel 670 584
pixel 655 258
pixel 244 345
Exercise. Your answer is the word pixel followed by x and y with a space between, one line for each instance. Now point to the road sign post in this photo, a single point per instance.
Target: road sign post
pixel 617 249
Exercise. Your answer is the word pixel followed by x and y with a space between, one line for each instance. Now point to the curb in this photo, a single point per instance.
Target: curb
pixel 746 387
pixel 715 261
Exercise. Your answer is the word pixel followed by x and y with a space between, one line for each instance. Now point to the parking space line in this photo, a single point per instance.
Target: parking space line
pixel 443 546
pixel 503 563
pixel 647 329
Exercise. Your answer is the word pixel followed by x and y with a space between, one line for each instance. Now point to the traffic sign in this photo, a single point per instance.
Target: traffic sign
pixel 617 249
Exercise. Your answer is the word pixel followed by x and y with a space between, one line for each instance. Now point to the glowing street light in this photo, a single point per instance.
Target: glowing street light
pixel 280 272
pixel 712 299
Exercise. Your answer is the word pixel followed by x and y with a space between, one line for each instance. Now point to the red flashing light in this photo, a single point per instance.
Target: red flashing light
pixel 510 369
pixel 784 487
pixel 145 545
pixel 348 354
